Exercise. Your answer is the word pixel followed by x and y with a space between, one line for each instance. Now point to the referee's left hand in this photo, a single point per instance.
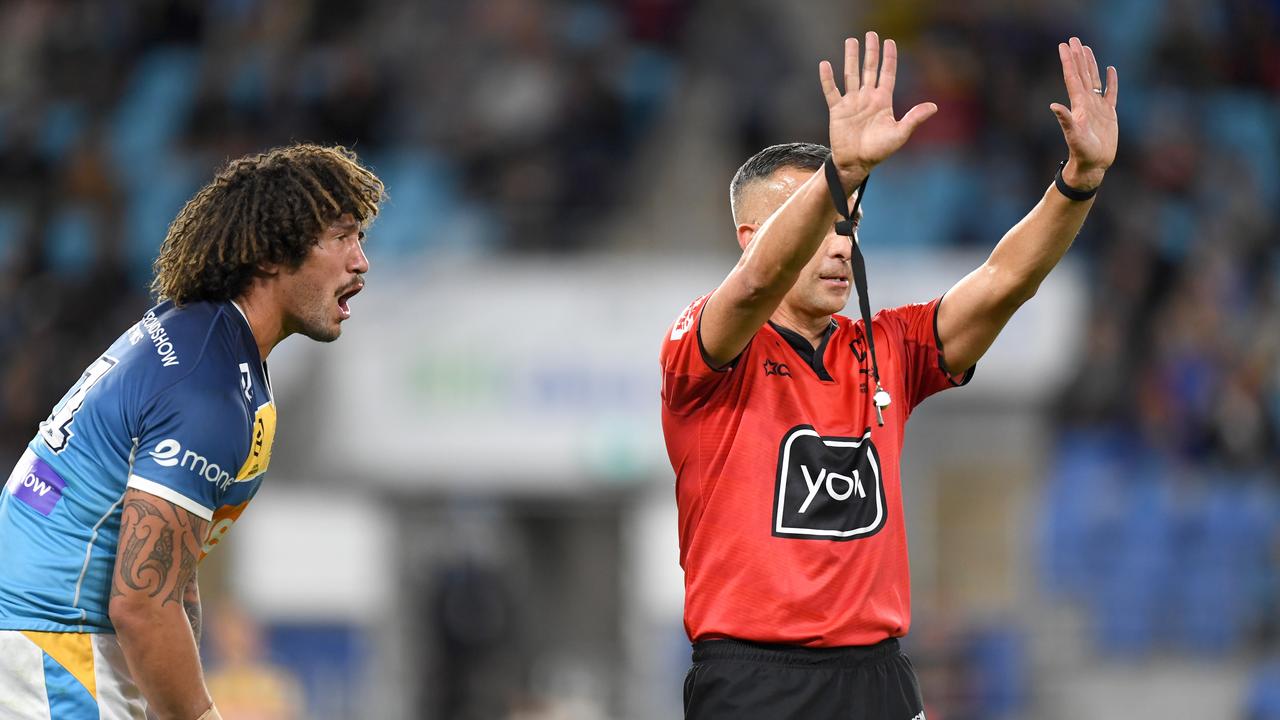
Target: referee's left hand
pixel 1089 125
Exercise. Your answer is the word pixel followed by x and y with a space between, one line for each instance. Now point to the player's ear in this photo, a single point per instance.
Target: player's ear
pixel 266 270
pixel 747 233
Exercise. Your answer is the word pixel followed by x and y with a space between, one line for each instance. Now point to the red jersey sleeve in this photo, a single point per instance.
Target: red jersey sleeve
pixel 687 376
pixel 924 372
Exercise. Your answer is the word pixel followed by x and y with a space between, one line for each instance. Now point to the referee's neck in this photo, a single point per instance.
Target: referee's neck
pixel 811 328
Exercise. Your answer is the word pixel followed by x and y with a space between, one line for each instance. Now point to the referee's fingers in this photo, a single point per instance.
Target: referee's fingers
pixel 1081 63
pixel 1091 65
pixel 889 66
pixel 871 63
pixel 1063 114
pixel 1113 86
pixel 1070 77
pixel 851 64
pixel 826 76
pixel 917 115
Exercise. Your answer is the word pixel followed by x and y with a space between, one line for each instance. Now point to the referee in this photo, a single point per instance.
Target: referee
pixel 784 420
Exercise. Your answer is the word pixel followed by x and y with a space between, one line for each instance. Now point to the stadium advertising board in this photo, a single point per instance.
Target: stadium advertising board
pixel 544 375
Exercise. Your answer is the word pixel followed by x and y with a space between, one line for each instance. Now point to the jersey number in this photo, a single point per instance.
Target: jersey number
pixel 56 431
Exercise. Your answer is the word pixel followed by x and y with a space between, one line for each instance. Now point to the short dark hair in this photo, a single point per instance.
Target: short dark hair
pixel 803 156
pixel 267 208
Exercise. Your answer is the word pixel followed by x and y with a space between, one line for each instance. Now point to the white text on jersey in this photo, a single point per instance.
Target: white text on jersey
pixel 160 338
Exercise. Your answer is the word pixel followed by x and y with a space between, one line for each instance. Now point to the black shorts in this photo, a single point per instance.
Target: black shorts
pixel 735 680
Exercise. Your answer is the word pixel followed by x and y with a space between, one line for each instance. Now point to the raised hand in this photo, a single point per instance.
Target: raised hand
pixel 863 130
pixel 1089 125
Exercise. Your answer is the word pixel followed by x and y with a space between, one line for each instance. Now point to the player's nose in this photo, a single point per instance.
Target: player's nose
pixel 359 262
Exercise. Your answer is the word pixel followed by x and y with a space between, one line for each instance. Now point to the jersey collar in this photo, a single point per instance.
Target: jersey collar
pixel 266 376
pixel 240 310
pixel 806 351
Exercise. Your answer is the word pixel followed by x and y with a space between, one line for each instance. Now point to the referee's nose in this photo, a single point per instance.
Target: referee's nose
pixel 839 247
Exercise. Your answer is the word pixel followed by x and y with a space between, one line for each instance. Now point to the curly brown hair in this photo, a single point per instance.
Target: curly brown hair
pixel 265 208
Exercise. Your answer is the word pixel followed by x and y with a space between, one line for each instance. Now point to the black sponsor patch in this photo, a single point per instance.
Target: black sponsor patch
pixel 829 488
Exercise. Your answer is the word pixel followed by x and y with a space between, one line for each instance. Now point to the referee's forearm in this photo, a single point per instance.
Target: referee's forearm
pixel 786 242
pixel 1033 247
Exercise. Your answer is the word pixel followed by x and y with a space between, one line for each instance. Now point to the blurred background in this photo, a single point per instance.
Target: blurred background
pixel 470 512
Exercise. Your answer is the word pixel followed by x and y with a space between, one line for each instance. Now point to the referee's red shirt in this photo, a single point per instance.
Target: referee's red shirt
pixel 790 502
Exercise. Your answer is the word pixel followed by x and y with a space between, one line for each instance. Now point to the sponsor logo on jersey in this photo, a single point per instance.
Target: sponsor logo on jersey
pixel 166 452
pixel 264 435
pixel 776 368
pixel 223 518
pixel 169 452
pixel 858 346
pixel 160 339
pixel 246 382
pixel 828 487
pixel 37 485
pixel 685 322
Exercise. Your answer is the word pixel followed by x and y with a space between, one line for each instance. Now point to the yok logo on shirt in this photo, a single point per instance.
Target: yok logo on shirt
pixel 829 488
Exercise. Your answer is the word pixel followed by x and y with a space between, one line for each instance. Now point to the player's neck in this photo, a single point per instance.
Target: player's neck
pixel 266 321
pixel 810 327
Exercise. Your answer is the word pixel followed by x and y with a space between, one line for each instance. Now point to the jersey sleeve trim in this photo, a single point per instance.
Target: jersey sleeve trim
pixel 942 363
pixel 706 359
pixel 702 349
pixel 167 493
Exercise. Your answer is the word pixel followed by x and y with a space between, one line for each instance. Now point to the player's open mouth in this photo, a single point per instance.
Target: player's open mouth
pixel 836 280
pixel 343 307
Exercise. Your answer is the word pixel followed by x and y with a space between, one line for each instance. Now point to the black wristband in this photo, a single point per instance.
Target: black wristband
pixel 1070 192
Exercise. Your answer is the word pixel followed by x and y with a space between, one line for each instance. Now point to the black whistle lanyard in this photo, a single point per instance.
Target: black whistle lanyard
pixel 844 227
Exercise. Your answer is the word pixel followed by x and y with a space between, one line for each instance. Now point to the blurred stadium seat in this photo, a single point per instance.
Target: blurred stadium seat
pixel 538 130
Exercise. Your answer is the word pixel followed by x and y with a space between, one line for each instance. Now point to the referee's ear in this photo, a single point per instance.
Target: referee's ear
pixel 747 233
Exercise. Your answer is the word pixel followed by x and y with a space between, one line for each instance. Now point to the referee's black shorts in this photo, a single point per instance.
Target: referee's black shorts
pixel 735 680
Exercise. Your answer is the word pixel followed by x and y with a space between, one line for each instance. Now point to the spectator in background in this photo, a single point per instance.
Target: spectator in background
pixel 108 113
pixel 1203 174
pixel 244 683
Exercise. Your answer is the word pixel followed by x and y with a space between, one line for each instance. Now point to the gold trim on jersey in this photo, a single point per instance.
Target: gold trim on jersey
pixel 264 435
pixel 73 651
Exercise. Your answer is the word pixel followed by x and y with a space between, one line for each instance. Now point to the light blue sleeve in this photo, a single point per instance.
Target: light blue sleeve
pixel 194 438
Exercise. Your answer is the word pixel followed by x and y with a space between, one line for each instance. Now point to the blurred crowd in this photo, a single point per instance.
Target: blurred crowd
pixel 503 125
pixel 510 125
pixel 1183 246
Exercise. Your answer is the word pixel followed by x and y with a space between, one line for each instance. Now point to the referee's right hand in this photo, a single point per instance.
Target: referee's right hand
pixel 863 129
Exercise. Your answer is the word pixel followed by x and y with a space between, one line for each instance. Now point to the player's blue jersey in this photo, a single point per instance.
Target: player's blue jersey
pixel 180 407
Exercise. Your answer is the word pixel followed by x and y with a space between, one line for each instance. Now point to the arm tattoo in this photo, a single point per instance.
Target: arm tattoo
pixel 140 523
pixel 159 547
pixel 186 570
pixel 189 594
pixel 191 603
